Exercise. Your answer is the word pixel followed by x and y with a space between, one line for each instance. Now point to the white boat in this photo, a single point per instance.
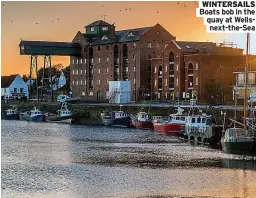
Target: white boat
pixel 63 115
pixel 34 115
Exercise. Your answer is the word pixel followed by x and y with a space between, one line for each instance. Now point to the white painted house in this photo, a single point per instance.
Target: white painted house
pixel 14 86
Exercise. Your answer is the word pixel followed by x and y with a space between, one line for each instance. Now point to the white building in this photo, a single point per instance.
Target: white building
pixel 14 86
pixel 120 92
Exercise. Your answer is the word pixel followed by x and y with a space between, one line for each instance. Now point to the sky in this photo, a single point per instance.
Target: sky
pixel 60 21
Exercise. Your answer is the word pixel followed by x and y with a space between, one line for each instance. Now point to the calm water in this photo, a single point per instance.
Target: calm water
pixel 45 160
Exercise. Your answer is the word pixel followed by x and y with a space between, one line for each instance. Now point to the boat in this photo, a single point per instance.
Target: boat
pixel 34 115
pixel 142 121
pixel 241 139
pixel 202 128
pixel 173 125
pixel 238 140
pixel 63 115
pixel 116 118
pixel 11 114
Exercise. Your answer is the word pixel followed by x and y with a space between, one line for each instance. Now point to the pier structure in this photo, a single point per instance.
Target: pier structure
pixel 46 49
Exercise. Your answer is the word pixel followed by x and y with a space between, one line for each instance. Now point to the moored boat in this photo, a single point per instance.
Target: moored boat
pixel 63 115
pixel 34 115
pixel 11 114
pixel 238 140
pixel 116 118
pixel 173 125
pixel 142 121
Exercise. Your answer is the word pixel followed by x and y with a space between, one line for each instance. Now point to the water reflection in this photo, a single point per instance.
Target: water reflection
pixel 52 160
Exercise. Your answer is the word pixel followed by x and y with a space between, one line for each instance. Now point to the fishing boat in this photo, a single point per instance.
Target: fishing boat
pixel 34 115
pixel 241 139
pixel 142 121
pixel 11 114
pixel 63 115
pixel 116 118
pixel 173 125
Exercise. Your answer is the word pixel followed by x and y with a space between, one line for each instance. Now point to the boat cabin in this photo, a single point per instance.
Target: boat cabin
pixel 119 114
pixel 35 112
pixel 159 119
pixel 198 123
pixel 11 111
pixel 234 133
pixel 62 113
pixel 142 116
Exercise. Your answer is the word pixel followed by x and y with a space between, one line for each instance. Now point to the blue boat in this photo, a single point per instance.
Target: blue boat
pixel 34 115
pixel 11 114
pixel 116 118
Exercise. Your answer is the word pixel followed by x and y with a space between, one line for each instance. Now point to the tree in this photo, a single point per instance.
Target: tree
pixel 213 91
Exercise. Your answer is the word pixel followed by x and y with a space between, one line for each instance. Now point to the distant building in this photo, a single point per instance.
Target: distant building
pixel 157 65
pixel 30 82
pixel 239 83
pixel 58 81
pixel 13 86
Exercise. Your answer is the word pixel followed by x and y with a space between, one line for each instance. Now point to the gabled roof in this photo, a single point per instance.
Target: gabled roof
pixel 121 36
pixel 98 23
pixel 6 81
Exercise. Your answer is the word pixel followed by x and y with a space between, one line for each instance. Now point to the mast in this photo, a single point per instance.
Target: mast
pixel 246 76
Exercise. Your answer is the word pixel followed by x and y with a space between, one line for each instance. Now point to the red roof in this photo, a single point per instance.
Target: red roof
pixel 6 81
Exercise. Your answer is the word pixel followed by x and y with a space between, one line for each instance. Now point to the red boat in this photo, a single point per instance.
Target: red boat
pixel 142 121
pixel 172 125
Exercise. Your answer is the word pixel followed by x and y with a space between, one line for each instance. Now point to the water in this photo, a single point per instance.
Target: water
pixel 46 160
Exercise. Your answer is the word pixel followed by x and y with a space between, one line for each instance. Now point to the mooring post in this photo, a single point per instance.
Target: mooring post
pixel 50 62
pixel 37 91
pixel 30 74
pixel 42 89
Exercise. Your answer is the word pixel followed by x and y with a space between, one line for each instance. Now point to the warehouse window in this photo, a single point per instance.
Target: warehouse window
pixel 85 71
pixel 73 61
pixel 84 82
pixel 77 72
pixel 81 82
pixel 177 82
pixel 98 71
pixel 98 82
pixel 85 61
pixel 77 61
pixel 73 72
pixel 105 28
pixel 107 59
pixel 134 44
pixel 149 45
pixel 98 48
pixel 77 82
pixel 107 69
pixel 81 61
pixel 133 57
pixel 81 72
pixel 99 60
pixel 106 47
pixel 73 82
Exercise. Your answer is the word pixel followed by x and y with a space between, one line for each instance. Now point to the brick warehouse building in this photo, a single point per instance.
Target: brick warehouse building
pixel 158 66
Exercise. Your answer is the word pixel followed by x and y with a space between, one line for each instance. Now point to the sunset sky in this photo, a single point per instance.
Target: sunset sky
pixel 19 20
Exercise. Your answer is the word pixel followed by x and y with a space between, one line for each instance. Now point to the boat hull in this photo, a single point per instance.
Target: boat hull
pixel 37 118
pixel 124 122
pixel 244 146
pixel 171 129
pixel 64 120
pixel 12 117
pixel 143 125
